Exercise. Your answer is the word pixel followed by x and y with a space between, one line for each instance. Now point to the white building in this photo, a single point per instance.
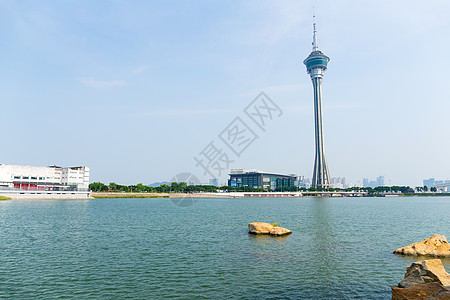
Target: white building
pixel 52 178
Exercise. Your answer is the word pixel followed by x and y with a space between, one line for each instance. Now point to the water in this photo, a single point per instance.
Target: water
pixel 341 248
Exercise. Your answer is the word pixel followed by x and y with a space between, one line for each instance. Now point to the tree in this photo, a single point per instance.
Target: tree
pixel 164 188
pixel 139 187
pixel 112 186
pixel 97 187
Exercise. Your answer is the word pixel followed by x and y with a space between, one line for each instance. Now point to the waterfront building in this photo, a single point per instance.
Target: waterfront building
pixel 303 182
pixel 259 179
pixel 307 183
pixel 316 64
pixel 354 185
pixel 18 178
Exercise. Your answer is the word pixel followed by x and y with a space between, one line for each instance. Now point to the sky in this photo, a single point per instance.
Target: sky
pixel 138 89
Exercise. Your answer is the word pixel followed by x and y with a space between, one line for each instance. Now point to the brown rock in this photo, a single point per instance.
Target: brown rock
pixel 425 271
pixel 259 228
pixel 422 291
pixel 280 231
pixel 437 246
pixel 266 228
pixel 424 279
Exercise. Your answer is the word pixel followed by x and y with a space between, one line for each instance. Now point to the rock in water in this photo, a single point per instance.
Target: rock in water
pixel 425 279
pixel 266 228
pixel 425 271
pixel 259 228
pixel 437 246
pixel 280 231
pixel 427 291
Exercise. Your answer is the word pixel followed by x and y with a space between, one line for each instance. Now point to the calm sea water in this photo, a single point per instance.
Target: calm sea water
pixel 341 248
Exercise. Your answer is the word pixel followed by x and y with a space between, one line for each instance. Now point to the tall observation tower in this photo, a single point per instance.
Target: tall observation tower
pixel 316 64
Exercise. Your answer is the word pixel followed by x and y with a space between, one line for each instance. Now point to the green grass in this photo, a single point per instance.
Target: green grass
pixel 4 198
pixel 129 196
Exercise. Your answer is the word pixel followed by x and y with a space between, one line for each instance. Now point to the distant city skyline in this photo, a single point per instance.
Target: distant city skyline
pixel 135 90
pixel 374 183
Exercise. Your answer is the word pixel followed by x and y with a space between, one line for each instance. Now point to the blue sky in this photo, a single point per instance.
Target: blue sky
pixel 136 89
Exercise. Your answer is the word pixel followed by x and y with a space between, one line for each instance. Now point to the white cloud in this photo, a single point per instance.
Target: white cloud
pixel 182 112
pixel 140 69
pixel 91 82
pixel 141 111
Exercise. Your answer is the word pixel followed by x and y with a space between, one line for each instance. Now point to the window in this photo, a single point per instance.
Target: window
pixel 33 178
pixel 16 177
pixel 25 177
pixel 41 178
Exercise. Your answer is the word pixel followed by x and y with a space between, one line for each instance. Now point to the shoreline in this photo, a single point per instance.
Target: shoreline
pixel 257 195
pixel 107 195
pixel 119 195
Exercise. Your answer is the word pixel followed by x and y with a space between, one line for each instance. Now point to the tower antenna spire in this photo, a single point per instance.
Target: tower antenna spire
pixel 314 44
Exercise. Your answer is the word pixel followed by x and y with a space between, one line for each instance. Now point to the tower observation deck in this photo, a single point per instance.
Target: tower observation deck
pixel 316 64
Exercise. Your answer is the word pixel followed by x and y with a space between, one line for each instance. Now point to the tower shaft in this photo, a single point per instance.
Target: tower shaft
pixel 321 175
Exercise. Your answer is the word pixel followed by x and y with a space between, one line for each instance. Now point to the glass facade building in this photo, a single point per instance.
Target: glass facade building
pixel 258 179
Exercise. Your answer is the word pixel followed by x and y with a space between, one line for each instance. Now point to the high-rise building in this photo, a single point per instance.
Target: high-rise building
pixel 365 182
pixel 380 180
pixel 338 182
pixel 373 183
pixel 316 64
pixel 429 182
pixel 214 181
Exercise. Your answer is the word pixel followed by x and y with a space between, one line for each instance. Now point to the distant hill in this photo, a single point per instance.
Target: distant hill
pixel 155 184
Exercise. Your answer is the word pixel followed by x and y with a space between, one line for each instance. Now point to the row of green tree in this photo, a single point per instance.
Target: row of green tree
pixel 140 188
pixel 182 187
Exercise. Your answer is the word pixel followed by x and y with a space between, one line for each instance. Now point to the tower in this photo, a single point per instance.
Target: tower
pixel 316 64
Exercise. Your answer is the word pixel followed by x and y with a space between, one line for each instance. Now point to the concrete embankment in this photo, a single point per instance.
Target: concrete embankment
pixel 38 195
pixel 22 194
pixel 157 195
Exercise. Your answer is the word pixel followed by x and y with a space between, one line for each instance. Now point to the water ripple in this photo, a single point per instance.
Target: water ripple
pixel 151 249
